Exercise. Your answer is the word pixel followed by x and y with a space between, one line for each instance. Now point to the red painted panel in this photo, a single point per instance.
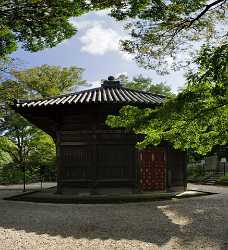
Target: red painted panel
pixel 152 169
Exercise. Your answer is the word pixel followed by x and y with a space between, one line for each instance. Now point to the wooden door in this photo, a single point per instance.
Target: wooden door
pixel 152 169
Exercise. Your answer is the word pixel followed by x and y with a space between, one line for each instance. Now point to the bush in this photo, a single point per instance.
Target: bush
pixel 12 174
pixel 223 180
pixel 196 174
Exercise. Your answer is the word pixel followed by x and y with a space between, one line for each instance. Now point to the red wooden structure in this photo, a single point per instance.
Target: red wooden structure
pixel 152 164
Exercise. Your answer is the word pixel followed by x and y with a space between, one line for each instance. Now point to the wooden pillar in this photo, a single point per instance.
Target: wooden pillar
pixel 168 168
pixel 58 162
pixel 185 170
pixel 136 167
pixel 93 169
pixel 93 165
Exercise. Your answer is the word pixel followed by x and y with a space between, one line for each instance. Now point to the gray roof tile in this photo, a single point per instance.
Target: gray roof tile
pixel 97 95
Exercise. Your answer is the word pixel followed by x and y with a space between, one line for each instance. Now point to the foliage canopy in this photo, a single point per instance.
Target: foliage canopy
pixel 146 84
pixel 47 80
pixel 197 118
pixel 36 24
pixel 160 29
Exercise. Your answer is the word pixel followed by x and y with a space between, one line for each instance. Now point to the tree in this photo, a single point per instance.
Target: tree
pixel 25 148
pixel 49 80
pixel 146 84
pixel 19 139
pixel 163 29
pixel 16 133
pixel 7 64
pixel 197 118
pixel 37 24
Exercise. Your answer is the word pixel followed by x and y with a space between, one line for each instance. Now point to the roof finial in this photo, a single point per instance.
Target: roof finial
pixel 111 83
pixel 111 78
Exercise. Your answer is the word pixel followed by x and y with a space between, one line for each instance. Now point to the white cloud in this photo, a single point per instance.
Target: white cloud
pixel 95 84
pixel 126 56
pixel 103 12
pixel 121 73
pixel 89 85
pixel 85 24
pixel 98 40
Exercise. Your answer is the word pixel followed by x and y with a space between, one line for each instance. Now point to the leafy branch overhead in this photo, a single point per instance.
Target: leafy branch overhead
pixel 162 29
pixel 36 24
pixel 159 29
pixel 197 119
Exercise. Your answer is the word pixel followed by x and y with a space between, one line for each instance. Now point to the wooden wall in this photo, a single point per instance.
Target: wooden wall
pixel 176 161
pixel 93 154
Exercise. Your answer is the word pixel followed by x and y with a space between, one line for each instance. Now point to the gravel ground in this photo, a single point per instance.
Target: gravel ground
pixel 194 223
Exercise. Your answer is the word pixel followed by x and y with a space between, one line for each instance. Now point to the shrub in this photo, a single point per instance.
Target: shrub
pixel 196 174
pixel 223 180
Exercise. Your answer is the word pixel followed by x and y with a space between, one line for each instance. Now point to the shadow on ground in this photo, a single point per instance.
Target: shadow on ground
pixel 198 220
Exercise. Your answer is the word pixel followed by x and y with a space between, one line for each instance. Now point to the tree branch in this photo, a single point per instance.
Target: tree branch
pixel 206 9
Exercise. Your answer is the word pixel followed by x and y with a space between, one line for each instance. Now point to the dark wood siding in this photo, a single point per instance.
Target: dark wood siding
pixel 94 154
pixel 91 154
pixel 76 161
pixel 114 162
pixel 177 168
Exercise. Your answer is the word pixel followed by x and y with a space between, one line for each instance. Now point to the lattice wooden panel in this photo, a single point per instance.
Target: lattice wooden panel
pixel 152 169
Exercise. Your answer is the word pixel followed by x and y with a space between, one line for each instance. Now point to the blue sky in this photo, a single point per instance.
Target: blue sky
pixel 95 48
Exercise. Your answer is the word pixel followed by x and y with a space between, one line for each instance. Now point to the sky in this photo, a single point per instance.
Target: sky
pixel 95 48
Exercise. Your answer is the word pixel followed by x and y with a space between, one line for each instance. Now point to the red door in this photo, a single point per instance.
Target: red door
pixel 152 165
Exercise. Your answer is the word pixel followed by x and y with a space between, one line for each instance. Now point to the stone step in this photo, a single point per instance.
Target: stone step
pixel 211 180
pixel 217 176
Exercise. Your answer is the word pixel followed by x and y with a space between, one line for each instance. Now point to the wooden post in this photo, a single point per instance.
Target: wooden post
pixel 185 170
pixel 168 167
pixel 58 163
pixel 137 172
pixel 24 177
pixel 93 166
pixel 166 179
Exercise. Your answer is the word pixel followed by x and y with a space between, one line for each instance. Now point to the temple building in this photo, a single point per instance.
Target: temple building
pixel 90 154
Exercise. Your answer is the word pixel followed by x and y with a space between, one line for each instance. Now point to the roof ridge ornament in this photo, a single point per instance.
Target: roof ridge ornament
pixel 111 83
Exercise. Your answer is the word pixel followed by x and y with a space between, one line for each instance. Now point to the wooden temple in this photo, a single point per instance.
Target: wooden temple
pixel 90 154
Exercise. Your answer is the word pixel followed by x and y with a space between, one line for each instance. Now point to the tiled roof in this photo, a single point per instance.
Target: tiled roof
pixel 103 94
